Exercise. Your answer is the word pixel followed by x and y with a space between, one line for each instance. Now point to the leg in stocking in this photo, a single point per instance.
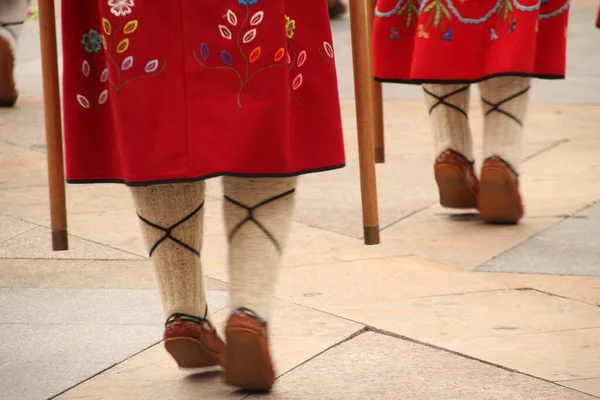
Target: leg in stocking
pixel 505 101
pixel 448 109
pixel 171 221
pixel 258 214
pixel 12 16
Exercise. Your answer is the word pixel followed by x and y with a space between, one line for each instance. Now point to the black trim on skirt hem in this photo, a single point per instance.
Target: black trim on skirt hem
pixel 467 81
pixel 204 177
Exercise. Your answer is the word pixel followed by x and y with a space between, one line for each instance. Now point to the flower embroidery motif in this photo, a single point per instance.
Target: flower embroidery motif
pixel 239 32
pixel 246 60
pixel 501 15
pixel 120 7
pixel 116 42
pixel 290 27
pixel 92 41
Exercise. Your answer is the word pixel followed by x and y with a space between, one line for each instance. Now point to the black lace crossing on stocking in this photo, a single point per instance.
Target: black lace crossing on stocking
pixel 496 107
pixel 441 100
pixel 250 217
pixel 169 230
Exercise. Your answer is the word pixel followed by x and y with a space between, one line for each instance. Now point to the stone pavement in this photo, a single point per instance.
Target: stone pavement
pixel 445 308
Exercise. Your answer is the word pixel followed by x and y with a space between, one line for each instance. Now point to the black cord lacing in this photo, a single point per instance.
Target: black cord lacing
pixel 168 232
pixel 496 107
pixel 251 218
pixel 441 100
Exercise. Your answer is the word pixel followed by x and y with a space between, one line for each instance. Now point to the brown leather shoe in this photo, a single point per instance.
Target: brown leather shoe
pixel 499 199
pixel 249 364
pixel 8 90
pixel 456 179
pixel 193 342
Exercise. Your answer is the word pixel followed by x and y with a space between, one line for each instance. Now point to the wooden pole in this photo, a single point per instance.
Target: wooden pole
pixel 52 113
pixel 377 103
pixel 364 105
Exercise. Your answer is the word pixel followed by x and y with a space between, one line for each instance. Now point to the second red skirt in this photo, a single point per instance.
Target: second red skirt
pixel 469 40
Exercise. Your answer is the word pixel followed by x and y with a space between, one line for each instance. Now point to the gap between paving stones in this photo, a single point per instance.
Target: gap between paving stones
pixel 22 187
pixel 564 218
pixel 139 258
pixel 542 291
pixel 408 339
pixel 104 370
pixel 20 234
pixel 361 331
pixel 370 328
pixel 577 380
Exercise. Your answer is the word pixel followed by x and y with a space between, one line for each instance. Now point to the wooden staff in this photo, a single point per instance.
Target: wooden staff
pixel 363 79
pixel 54 145
pixel 377 104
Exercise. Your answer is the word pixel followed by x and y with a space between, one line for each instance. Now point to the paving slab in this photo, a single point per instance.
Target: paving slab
pixel 476 324
pixel 378 367
pixel 194 387
pixel 21 167
pixel 562 180
pixel 31 203
pixel 297 335
pixel 25 273
pixel 23 125
pixel 68 353
pixel 32 381
pixel 54 339
pixel 571 247
pixel 357 284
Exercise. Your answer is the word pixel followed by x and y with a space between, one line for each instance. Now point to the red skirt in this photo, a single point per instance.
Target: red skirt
pixel 160 91
pixel 418 41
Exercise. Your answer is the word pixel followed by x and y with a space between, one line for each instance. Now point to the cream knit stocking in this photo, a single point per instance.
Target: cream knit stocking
pixel 505 101
pixel 258 217
pixel 171 220
pixel 448 107
pixel 12 15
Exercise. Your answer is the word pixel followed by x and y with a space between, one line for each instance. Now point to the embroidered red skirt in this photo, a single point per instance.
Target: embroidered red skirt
pixel 186 89
pixel 418 41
